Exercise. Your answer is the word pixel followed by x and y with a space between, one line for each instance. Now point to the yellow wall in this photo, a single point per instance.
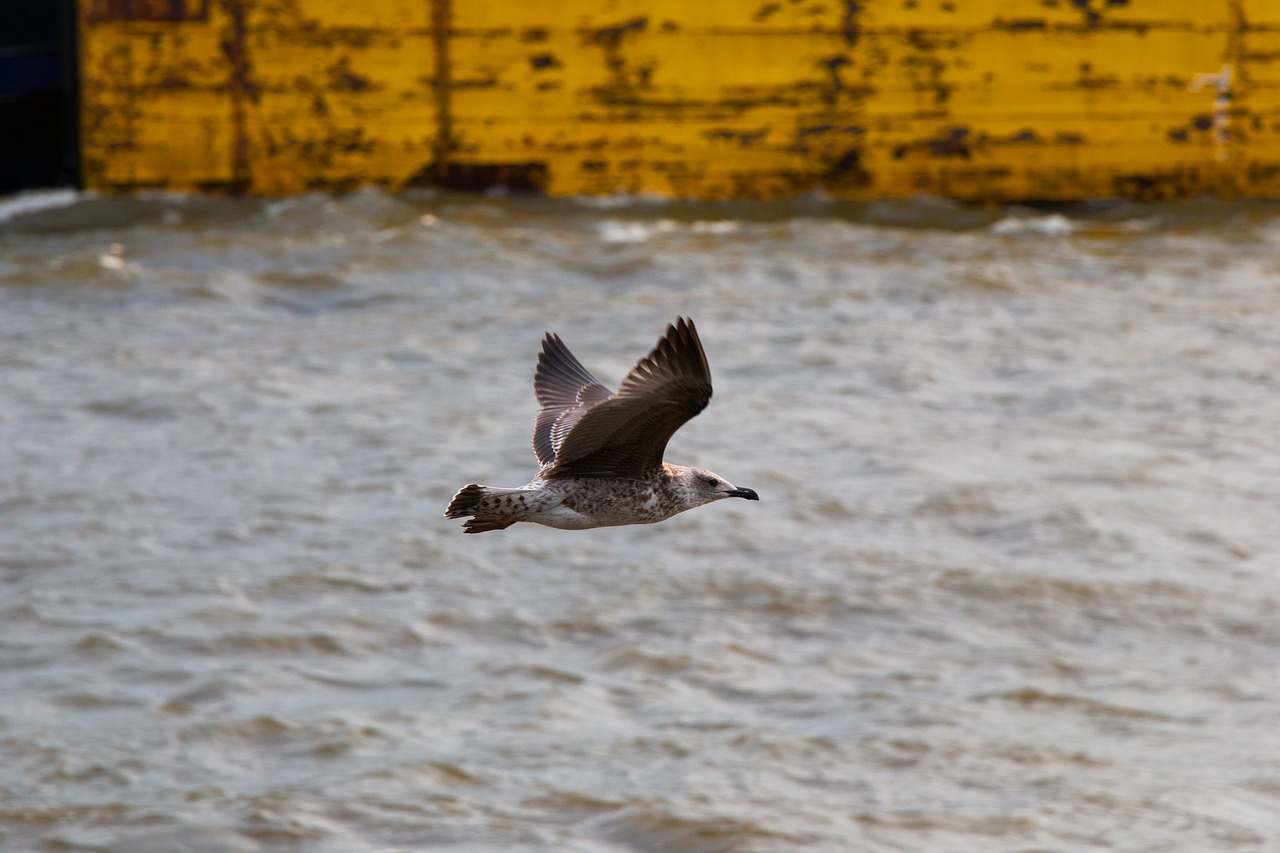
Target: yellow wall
pixel 976 99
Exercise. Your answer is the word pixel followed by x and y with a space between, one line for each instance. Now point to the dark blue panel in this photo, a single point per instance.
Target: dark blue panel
pixel 31 71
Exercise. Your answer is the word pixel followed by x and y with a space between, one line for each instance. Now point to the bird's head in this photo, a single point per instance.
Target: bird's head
pixel 701 486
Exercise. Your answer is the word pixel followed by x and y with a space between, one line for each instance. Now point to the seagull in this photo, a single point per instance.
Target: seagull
pixel 601 451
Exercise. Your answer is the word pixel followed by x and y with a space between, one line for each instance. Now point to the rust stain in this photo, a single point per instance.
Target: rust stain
pixel 1020 24
pixel 849 26
pixel 148 10
pixel 1159 185
pixel 319 150
pixel 112 122
pixel 962 143
pixel 956 142
pixel 1088 79
pixel 624 78
pixel 343 79
pixel 610 37
pixel 744 138
pixel 1091 16
pixel 544 61
pixel 488 80
pixel 1260 173
pixel 832 65
pixel 766 11
pixel 312 33
pixel 847 172
pixel 928 75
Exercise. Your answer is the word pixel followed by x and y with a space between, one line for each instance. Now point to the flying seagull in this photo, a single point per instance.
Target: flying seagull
pixel 601 451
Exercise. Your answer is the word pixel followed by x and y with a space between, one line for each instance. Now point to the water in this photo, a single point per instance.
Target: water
pixel 1011 585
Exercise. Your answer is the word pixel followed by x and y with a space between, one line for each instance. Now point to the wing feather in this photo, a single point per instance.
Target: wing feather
pixel 625 434
pixel 564 389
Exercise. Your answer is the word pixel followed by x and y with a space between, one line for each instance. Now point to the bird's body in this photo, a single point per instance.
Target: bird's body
pixel 580 503
pixel 601 452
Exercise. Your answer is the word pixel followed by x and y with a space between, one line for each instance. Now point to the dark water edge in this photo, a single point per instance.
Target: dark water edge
pixel 67 210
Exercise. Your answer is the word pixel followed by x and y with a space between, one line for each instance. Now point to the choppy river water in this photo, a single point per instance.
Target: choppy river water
pixel 1013 583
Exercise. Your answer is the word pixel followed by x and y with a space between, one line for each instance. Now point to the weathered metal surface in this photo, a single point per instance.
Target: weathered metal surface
pixel 264 96
pixel 148 10
pixel 976 99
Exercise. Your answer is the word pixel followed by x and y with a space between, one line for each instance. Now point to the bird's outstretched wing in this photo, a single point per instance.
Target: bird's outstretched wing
pixel 565 390
pixel 622 434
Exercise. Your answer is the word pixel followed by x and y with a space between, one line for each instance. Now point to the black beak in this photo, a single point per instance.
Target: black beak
pixel 749 494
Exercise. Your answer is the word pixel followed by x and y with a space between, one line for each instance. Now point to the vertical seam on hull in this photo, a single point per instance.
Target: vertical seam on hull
pixel 235 48
pixel 441 30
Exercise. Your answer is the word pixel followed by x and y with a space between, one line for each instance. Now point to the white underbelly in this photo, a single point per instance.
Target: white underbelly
pixel 563 518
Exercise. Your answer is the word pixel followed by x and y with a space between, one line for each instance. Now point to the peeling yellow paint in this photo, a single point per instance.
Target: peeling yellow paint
pixel 987 100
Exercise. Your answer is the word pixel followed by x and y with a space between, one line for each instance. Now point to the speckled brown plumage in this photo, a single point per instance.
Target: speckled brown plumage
pixel 601 452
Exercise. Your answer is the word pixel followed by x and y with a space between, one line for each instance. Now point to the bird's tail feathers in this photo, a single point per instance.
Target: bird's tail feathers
pixel 490 508
pixel 464 503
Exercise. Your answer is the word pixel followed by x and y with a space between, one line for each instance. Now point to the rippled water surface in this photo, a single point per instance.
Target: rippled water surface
pixel 1012 584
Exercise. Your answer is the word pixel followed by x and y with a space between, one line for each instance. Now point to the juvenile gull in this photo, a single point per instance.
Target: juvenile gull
pixel 601 452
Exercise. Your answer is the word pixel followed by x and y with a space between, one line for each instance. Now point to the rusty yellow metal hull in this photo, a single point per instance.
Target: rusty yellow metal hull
pixel 987 100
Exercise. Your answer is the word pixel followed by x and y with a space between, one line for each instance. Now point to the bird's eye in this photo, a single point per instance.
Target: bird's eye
pixel 711 481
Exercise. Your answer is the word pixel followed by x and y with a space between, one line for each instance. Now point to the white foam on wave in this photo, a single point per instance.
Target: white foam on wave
pixel 1053 225
pixel 616 231
pixel 619 200
pixel 719 226
pixel 37 200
